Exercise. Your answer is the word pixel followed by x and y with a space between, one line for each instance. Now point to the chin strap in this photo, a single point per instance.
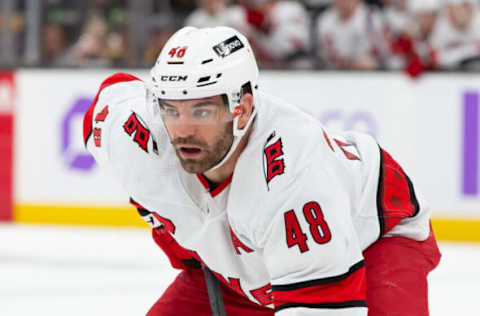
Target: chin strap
pixel 236 141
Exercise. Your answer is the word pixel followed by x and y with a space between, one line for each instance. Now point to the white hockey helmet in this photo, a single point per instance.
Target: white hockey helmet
pixel 199 63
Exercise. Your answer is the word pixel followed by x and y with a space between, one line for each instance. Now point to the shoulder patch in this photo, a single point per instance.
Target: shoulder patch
pixel 87 120
pixel 142 133
pixel 273 162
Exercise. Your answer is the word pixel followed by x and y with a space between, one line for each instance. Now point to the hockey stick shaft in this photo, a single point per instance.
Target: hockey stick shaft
pixel 214 293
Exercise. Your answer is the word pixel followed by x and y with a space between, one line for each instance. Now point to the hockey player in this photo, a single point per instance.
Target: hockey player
pixel 351 35
pixel 398 22
pixel 279 31
pixel 456 36
pixel 212 13
pixel 416 48
pixel 292 219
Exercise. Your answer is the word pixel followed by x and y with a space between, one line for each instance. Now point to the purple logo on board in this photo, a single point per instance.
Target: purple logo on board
pixel 470 143
pixel 360 121
pixel 75 159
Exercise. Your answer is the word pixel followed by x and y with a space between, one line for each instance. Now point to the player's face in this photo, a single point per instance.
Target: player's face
pixel 200 131
pixel 425 22
pixel 345 7
pixel 212 6
pixel 461 14
pixel 401 4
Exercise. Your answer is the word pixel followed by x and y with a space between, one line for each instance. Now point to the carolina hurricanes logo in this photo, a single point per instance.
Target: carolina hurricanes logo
pixel 273 162
pixel 134 126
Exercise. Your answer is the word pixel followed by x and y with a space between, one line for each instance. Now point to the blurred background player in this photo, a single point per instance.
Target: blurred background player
pixel 351 36
pixel 398 27
pixel 277 29
pixel 412 49
pixel 279 32
pixel 210 13
pixel 456 37
pixel 91 48
pixel 285 34
pixel 396 15
pixel 54 42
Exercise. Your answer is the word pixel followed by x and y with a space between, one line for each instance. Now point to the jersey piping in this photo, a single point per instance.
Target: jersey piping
pixel 217 190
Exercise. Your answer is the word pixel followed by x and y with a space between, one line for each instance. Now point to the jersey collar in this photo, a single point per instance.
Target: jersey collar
pixel 216 190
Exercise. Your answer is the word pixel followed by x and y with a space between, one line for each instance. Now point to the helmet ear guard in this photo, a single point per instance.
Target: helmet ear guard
pixel 237 111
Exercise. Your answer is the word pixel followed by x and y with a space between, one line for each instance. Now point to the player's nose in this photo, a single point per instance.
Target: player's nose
pixel 184 130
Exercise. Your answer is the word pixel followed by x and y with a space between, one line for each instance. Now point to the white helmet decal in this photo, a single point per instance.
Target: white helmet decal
pixel 228 46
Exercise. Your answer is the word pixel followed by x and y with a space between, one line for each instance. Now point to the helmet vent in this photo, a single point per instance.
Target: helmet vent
pixel 206 84
pixel 175 62
pixel 203 79
pixel 206 61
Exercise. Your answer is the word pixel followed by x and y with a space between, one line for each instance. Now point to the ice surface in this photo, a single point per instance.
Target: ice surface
pixel 55 270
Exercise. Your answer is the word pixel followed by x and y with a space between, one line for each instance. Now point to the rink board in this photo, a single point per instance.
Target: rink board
pixel 446 229
pixel 431 126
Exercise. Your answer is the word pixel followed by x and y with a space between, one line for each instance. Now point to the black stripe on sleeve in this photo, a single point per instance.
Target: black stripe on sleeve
pixel 192 263
pixel 338 305
pixel 413 196
pixel 143 212
pixel 329 280
pixel 379 196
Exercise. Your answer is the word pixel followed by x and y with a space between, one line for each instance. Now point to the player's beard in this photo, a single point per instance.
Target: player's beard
pixel 212 155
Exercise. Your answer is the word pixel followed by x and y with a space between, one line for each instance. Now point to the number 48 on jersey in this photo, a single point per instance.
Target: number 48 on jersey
pixel 319 230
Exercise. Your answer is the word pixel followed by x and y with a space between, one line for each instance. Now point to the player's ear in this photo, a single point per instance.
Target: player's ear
pixel 246 107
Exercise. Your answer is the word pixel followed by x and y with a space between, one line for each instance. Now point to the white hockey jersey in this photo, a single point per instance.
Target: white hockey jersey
pixel 343 42
pixel 397 21
pixel 227 16
pixel 288 228
pixel 289 31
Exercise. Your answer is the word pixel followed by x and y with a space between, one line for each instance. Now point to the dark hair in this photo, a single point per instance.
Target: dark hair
pixel 246 88
pixel 225 99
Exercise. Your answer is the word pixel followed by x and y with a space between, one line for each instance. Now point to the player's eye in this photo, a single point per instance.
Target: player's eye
pixel 170 112
pixel 203 113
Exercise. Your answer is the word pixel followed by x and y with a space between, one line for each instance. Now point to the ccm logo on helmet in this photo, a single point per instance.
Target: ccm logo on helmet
pixel 228 46
pixel 173 78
